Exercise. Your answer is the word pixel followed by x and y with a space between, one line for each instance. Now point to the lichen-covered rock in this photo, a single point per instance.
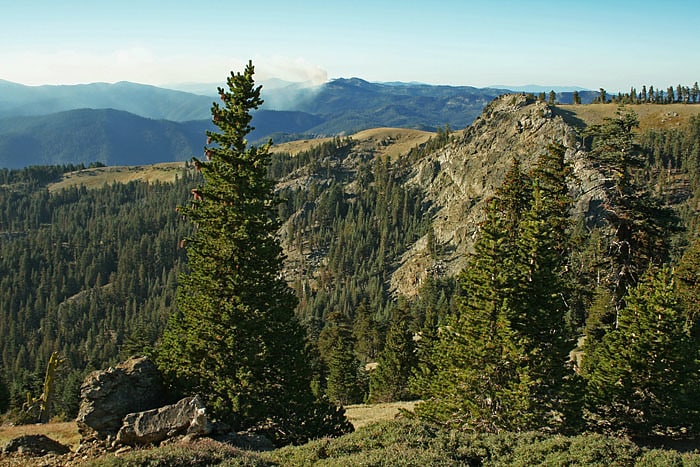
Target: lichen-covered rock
pixel 188 416
pixel 107 396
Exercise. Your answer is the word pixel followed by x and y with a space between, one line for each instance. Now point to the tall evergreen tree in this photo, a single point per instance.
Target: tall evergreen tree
pixel 476 382
pixel 687 274
pixel 390 380
pixel 639 226
pixel 235 339
pixel 4 392
pixel 337 347
pixel 642 378
pixel 500 361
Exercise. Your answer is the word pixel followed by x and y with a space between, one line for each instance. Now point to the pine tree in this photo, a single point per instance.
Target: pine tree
pixel 642 378
pixel 687 274
pixel 576 98
pixel 390 380
pixel 337 347
pixel 639 224
pixel 235 339
pixel 476 383
pixel 500 360
pixel 544 247
pixel 4 393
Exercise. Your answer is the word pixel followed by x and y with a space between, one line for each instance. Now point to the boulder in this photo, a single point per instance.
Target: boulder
pixel 107 396
pixel 35 445
pixel 188 416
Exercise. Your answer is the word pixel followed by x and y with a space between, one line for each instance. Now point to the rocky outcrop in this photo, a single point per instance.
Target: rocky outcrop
pixel 108 396
pixel 459 178
pixel 456 180
pixel 35 445
pixel 188 417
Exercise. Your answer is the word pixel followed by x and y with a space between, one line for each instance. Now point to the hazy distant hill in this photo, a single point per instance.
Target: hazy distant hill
pixel 87 135
pixel 139 99
pixel 40 124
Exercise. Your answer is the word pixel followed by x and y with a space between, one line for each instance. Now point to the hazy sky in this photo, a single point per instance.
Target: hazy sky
pixel 612 44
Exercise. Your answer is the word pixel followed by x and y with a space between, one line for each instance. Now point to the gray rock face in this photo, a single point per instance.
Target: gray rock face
pixel 188 416
pixel 107 396
pixel 458 180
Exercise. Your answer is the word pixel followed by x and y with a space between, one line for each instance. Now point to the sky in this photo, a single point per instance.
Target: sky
pixel 613 44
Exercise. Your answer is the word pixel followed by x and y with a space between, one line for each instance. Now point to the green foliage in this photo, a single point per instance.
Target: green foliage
pixel 499 361
pixel 74 278
pixel 642 377
pixel 390 380
pixel 410 443
pixel 4 393
pixel 203 453
pixel 640 224
pixel 235 339
pixel 687 276
pixel 336 345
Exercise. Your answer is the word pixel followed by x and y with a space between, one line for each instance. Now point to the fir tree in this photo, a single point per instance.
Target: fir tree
pixel 639 225
pixel 235 339
pixel 337 345
pixel 4 392
pixel 390 380
pixel 500 361
pixel 476 383
pixel 642 378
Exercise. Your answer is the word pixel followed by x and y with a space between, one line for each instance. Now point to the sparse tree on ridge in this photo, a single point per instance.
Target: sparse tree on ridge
pixel 576 97
pixel 235 339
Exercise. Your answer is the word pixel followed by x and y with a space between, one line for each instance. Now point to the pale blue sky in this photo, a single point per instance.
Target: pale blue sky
pixel 612 44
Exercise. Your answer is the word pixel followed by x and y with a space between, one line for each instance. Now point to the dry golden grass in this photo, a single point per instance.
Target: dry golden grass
pixel 390 142
pixel 366 414
pixel 64 432
pixel 67 432
pixel 295 147
pixel 650 115
pixel 99 176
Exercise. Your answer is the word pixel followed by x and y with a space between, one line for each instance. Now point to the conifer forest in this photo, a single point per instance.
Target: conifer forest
pixel 559 319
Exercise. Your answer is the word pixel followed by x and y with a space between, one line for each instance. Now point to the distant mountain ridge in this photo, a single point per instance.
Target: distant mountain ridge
pixel 138 99
pixel 113 137
pixel 47 124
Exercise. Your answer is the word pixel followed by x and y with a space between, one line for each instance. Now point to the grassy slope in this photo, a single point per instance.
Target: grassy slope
pixel 63 432
pixel 650 115
pixel 390 141
pixel 99 176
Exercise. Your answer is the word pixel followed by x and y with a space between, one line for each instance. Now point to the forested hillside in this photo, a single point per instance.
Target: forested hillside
pixel 374 246
pixel 74 278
